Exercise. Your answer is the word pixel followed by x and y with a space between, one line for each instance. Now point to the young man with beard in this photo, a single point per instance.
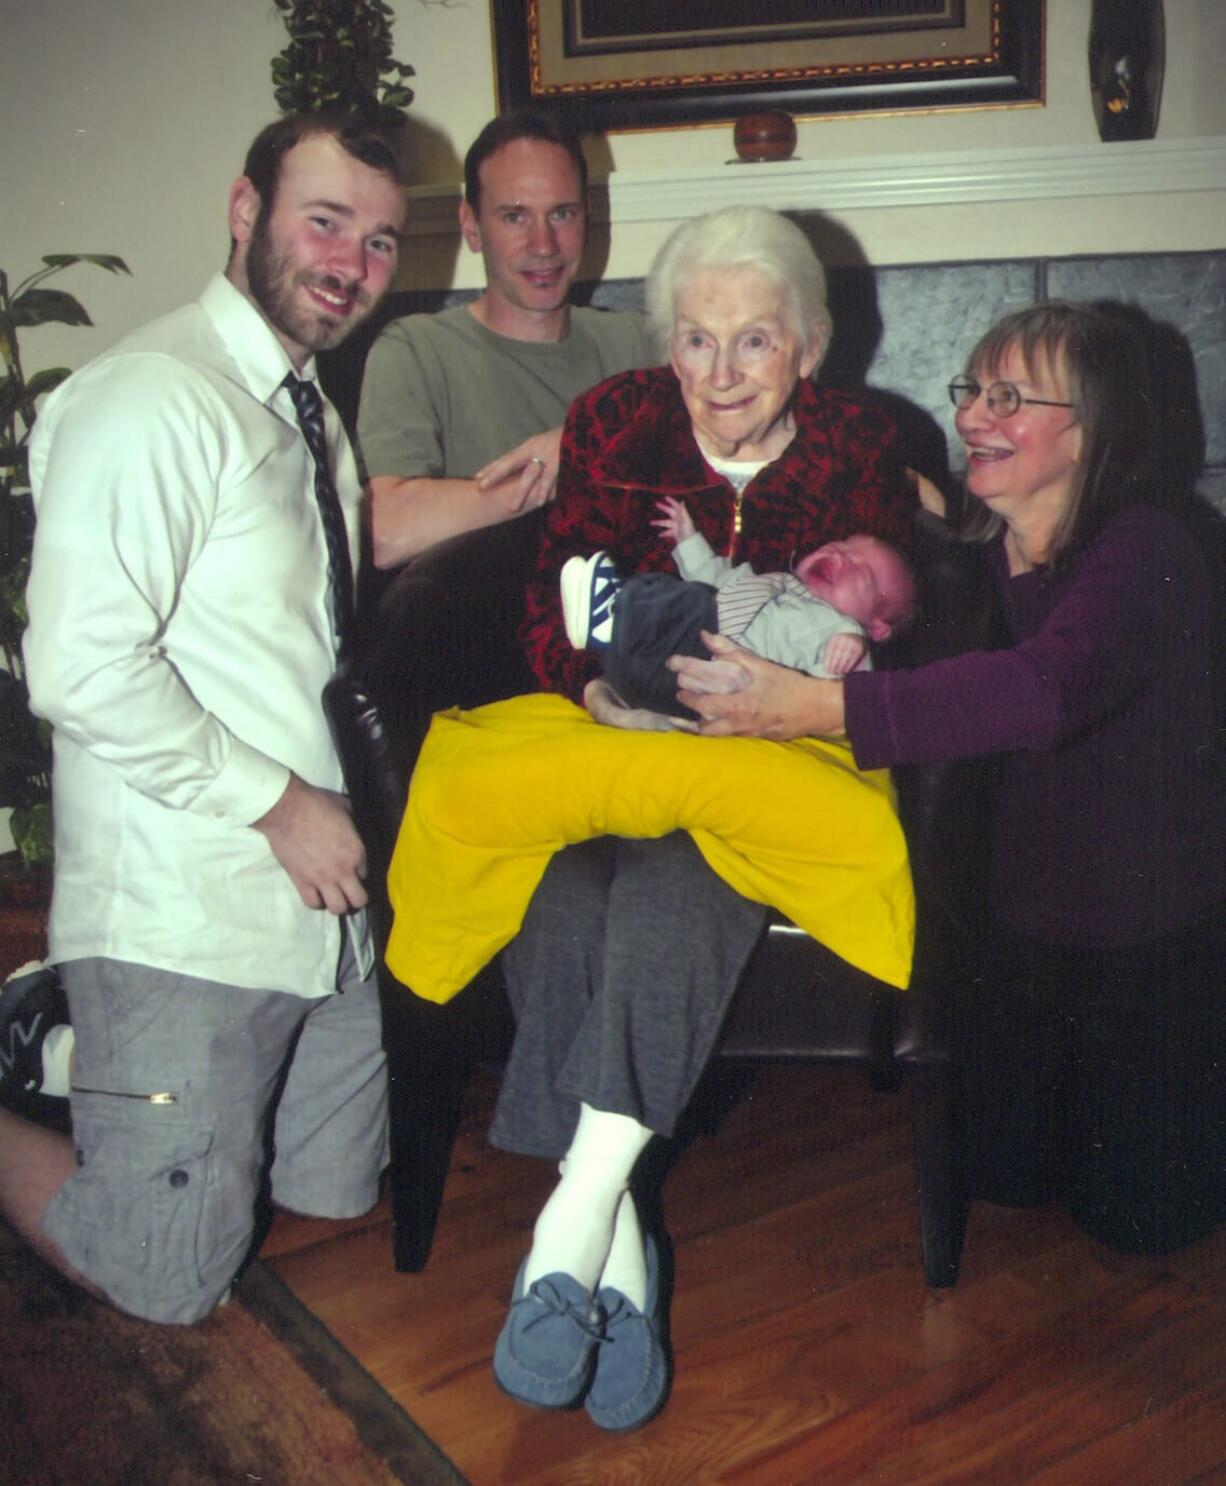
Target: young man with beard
pixel 190 592
pixel 445 396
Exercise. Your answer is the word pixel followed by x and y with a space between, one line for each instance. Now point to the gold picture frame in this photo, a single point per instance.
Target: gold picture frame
pixel 644 64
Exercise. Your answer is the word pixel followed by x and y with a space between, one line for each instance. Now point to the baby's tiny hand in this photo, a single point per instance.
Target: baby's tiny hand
pixel 676 523
pixel 843 653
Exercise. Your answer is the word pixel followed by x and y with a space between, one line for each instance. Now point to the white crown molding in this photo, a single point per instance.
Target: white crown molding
pixel 1141 168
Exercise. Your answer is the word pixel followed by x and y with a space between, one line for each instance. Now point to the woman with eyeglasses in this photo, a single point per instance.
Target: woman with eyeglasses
pixel 1095 1018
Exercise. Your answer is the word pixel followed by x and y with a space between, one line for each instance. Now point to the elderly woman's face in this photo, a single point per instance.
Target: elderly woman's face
pixel 737 357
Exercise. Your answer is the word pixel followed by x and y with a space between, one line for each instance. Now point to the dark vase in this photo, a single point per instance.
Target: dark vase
pixel 1127 58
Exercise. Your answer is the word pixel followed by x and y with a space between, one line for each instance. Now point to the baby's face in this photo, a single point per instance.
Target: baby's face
pixel 860 577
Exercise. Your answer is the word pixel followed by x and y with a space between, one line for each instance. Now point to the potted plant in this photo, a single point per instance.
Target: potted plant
pixel 340 57
pixel 25 742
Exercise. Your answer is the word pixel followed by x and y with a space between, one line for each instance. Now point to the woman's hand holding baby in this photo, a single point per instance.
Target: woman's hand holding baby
pixel 737 693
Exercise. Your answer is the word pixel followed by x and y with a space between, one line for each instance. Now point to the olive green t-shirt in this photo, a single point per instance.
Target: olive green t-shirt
pixel 442 395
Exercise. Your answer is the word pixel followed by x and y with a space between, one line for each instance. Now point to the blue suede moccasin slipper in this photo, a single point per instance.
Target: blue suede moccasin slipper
pixel 632 1372
pixel 544 1353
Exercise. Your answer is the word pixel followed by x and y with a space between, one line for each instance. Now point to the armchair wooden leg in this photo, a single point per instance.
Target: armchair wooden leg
pixel 425 1088
pixel 942 1201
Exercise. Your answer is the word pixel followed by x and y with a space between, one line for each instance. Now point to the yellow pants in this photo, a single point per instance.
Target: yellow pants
pixel 498 790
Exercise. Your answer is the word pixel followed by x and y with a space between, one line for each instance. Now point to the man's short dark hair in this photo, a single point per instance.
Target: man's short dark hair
pixel 506 130
pixel 270 146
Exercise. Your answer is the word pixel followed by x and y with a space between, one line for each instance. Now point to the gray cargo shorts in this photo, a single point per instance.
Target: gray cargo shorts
pixel 187 1095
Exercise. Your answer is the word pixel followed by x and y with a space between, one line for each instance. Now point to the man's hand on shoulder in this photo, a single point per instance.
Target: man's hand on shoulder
pixel 526 476
pixel 311 834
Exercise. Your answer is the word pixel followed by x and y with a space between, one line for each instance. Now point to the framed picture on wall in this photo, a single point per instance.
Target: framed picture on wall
pixel 648 64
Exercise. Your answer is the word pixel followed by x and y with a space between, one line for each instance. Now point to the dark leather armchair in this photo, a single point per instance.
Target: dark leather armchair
pixel 444 634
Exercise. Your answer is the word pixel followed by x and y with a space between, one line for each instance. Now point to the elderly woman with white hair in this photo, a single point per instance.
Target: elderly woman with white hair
pixel 631 949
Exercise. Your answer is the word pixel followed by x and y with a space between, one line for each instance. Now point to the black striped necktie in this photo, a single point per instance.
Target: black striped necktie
pixel 310 409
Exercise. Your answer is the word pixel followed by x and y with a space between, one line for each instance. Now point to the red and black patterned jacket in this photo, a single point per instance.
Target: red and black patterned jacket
pixel 629 441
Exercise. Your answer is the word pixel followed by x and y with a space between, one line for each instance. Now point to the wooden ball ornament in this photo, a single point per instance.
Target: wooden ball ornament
pixel 765 136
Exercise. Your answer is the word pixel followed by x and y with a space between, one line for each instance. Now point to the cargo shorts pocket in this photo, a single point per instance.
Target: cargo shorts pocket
pixel 143 1216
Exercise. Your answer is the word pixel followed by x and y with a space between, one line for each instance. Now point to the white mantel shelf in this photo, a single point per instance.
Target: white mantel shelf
pixel 1141 168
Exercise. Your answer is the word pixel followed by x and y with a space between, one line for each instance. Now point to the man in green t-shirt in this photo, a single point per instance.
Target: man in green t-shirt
pixel 461 412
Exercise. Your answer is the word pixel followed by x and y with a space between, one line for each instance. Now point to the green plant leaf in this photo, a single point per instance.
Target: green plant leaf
pixel 45 307
pixel 110 261
pixel 34 834
pixel 47 380
pixel 13 582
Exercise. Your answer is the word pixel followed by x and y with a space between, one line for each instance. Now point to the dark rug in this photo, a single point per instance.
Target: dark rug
pixel 259 1394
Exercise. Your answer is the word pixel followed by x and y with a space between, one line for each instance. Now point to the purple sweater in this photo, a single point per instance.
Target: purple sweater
pixel 1111 825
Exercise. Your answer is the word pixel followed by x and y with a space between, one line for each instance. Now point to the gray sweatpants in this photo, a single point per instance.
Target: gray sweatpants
pixel 619 980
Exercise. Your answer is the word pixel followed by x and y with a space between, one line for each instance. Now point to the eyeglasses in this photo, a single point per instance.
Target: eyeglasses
pixel 1003 398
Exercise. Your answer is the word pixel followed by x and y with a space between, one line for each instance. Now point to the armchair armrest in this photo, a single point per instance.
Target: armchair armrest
pixel 444 634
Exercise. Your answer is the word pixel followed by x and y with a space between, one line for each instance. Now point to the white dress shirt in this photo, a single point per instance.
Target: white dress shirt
pixel 180 638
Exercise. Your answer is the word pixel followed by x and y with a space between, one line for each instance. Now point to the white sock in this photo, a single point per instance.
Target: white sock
pixel 574 1231
pixel 626 1267
pixel 58 1048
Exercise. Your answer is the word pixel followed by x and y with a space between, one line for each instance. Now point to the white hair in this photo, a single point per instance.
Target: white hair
pixel 742 237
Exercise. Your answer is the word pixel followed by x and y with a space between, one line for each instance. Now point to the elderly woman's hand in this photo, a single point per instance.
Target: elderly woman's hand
pixel 526 476
pixel 739 693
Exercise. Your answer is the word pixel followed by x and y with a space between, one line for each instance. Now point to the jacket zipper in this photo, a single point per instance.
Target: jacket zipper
pixel 738 499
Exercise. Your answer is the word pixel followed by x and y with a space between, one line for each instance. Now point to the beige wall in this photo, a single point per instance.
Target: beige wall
pixel 122 123
pixel 125 120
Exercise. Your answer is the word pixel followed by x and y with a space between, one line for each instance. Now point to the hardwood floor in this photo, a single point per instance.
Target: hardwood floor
pixel 807 1347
